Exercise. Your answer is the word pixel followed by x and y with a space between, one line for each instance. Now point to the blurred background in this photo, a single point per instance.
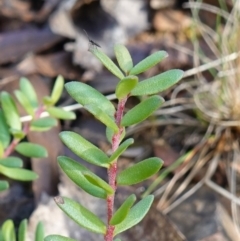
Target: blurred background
pixel 196 132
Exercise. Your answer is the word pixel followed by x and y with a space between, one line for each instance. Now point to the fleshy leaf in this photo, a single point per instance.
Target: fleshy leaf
pixel 84 149
pixel 17 134
pixel 148 62
pixel 22 230
pixel 39 234
pixel 24 101
pixel 8 231
pixel 102 116
pixel 80 175
pixel 60 113
pixel 11 161
pixel 158 83
pixel 28 90
pixel 43 123
pixel 18 173
pixel 121 149
pixel 125 86
pixel 107 62
pixel 142 111
pixel 10 111
pixel 123 57
pixel 54 237
pixel 86 95
pixel 81 215
pixel 136 214
pixel 31 150
pixel 139 172
pixel 3 185
pixel 57 89
pixel 123 211
pixel 5 136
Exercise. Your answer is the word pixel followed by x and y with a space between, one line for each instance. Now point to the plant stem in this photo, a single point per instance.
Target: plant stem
pixel 112 171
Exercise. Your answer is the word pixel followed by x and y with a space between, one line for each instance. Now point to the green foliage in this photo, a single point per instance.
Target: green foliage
pixel 60 113
pixel 10 111
pixel 84 149
pixel 115 120
pixel 22 230
pixel 121 149
pixel 125 86
pixel 142 111
pixel 12 131
pixel 39 234
pixel 84 178
pixel 107 62
pixel 7 231
pixel 5 136
pixel 81 215
pixel 136 214
pixel 28 91
pixel 148 62
pixel 123 211
pixel 31 150
pixel 43 124
pixel 158 83
pixel 123 57
pixel 139 171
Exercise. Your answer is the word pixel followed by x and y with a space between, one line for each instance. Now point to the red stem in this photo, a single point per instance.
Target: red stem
pixel 112 171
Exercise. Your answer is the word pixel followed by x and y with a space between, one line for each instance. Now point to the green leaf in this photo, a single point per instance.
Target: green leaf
pixel 31 150
pixel 123 211
pixel 8 231
pixel 148 62
pixel 81 215
pixel 135 215
pixel 24 101
pixel 86 95
pixel 57 238
pixel 121 149
pixel 10 111
pixel 158 83
pixel 18 173
pixel 43 123
pixel 57 89
pixel 102 116
pixel 28 90
pixel 82 177
pixel 107 62
pixel 60 113
pixel 39 234
pixel 5 136
pixel 3 185
pixel 17 134
pixel 110 133
pixel 1 149
pixel 22 230
pixel 11 161
pixel 125 86
pixel 139 172
pixel 118 239
pixel 84 149
pixel 142 111
pixel 123 57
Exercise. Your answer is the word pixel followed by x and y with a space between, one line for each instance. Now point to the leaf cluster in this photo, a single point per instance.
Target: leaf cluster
pixel 129 213
pixel 13 131
pixel 7 231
